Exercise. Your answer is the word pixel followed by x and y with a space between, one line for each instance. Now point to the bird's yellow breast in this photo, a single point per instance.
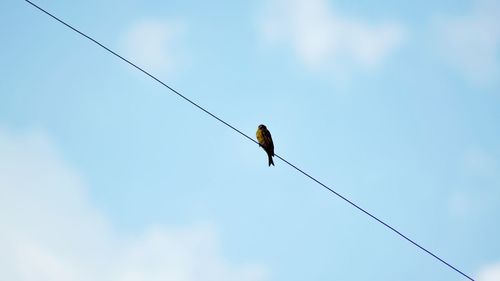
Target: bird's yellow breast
pixel 260 136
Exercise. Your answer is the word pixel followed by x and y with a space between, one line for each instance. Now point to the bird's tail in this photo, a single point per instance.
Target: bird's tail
pixel 270 160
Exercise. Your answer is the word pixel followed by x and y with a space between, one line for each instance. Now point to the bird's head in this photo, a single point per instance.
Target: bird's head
pixel 262 127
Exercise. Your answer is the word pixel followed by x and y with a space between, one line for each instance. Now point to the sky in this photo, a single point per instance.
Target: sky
pixel 107 175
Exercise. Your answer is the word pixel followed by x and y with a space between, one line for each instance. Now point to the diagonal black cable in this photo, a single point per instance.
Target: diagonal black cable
pixel 251 139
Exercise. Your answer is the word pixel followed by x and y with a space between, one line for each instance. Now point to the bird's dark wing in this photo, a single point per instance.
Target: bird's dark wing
pixel 269 142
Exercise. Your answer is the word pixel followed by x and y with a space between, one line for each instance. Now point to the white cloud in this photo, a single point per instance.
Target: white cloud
pixel 489 273
pixel 50 231
pixel 153 44
pixel 319 36
pixel 472 42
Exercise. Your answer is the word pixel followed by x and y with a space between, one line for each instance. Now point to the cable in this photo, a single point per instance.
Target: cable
pixel 251 139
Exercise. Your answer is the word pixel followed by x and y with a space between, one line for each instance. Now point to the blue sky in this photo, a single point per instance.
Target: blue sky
pixel 106 175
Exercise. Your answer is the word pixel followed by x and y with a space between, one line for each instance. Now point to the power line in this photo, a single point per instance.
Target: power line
pixel 251 139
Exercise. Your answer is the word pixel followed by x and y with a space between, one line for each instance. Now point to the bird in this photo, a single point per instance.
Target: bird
pixel 266 142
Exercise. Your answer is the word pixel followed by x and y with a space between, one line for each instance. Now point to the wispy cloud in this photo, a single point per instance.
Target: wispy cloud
pixel 480 172
pixel 489 272
pixel 461 205
pixel 320 36
pixel 471 42
pixel 478 162
pixel 154 44
pixel 50 231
